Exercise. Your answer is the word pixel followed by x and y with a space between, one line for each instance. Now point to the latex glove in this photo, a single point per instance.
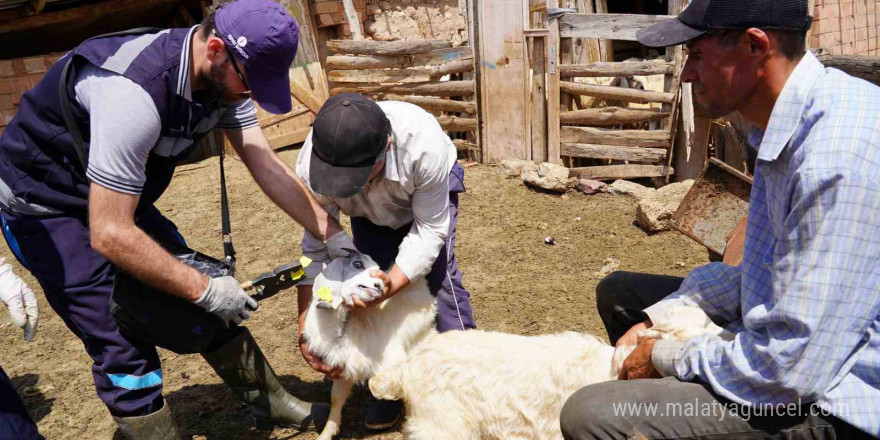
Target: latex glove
pixel 225 298
pixel 20 300
pixel 337 243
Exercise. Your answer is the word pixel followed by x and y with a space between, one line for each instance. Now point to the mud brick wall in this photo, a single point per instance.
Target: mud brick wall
pixel 846 27
pixel 18 76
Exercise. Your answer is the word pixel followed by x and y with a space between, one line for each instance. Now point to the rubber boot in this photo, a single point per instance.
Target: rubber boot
pixel 242 366
pixel 156 426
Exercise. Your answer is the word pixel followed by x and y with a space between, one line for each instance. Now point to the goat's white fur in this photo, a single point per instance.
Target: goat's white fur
pixel 364 341
pixel 484 385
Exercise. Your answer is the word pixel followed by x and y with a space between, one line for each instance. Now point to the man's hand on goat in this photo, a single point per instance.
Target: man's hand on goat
pixel 631 337
pixel 316 362
pixel 639 364
pixel 388 290
pixel 20 300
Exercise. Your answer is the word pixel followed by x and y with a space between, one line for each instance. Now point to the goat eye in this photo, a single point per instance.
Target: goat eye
pixel 358 265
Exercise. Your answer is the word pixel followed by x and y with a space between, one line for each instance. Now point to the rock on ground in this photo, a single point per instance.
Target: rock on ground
pixel 655 210
pixel 513 167
pixel 590 187
pixel 625 187
pixel 547 176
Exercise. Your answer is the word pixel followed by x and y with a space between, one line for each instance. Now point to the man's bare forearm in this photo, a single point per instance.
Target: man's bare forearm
pixel 115 236
pixel 281 185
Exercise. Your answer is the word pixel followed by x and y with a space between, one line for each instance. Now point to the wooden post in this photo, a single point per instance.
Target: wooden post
pixel 605 48
pixel 672 83
pixel 354 22
pixel 538 102
pixel 553 92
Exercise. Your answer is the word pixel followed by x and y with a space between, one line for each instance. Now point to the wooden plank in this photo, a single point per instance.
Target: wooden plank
pixel 420 74
pixel 74 14
pixel 365 47
pixel 463 145
pixel 453 123
pixel 610 116
pixel 538 102
pixel 860 66
pixel 607 26
pixel 672 82
pixel 435 104
pixel 614 152
pixel 614 172
pixel 440 88
pixel 275 119
pixel 616 93
pixel 606 69
pixel 503 73
pixel 624 138
pixel 606 50
pixel 434 57
pixel 354 22
pixel 306 97
pixel 553 93
pixel 291 138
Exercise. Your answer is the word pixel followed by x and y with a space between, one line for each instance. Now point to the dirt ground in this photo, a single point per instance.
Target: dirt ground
pixel 519 285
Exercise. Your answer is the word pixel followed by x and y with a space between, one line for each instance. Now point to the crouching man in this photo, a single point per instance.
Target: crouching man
pixel 75 214
pixel 393 170
pixel 804 304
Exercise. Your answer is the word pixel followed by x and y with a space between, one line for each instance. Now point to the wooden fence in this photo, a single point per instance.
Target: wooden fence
pixel 412 71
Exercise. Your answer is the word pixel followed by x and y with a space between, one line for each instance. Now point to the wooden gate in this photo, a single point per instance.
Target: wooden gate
pixel 609 133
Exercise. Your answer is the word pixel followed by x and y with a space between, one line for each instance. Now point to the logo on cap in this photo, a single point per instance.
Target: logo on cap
pixel 238 46
pixel 242 41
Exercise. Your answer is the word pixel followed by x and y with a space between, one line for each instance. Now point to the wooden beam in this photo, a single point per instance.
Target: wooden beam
pixel 276 119
pixel 624 138
pixel 419 74
pixel 357 62
pixel 435 104
pixel 463 145
pixel 610 116
pixel 860 66
pixel 306 97
pixel 538 101
pixel 606 69
pixel 606 51
pixel 614 172
pixel 291 138
pixel 68 15
pixel 440 88
pixel 364 47
pixel 607 26
pixel 616 93
pixel 613 152
pixel 354 22
pixel 453 123
pixel 553 93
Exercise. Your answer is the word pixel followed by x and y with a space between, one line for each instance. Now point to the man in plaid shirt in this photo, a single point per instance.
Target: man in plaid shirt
pixel 805 302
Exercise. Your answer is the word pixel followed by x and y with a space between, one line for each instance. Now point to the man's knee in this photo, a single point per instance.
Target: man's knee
pixel 589 414
pixel 608 293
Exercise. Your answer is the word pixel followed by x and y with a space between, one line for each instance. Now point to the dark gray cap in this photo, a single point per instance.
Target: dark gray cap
pixel 701 16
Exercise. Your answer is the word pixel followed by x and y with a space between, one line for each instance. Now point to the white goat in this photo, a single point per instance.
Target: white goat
pixel 367 341
pixel 486 385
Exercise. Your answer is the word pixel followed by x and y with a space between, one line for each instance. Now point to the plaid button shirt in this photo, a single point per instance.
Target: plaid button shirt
pixel 805 302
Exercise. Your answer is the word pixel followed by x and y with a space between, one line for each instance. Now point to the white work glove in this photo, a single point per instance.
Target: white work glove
pixel 225 298
pixel 20 300
pixel 337 243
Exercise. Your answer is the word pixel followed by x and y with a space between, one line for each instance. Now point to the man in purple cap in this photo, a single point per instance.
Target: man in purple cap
pixel 804 304
pixel 140 101
pixel 392 169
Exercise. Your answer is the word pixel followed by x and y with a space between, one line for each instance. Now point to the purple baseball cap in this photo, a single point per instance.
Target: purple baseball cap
pixel 264 37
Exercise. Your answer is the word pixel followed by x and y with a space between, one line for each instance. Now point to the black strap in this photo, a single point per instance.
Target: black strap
pixel 81 151
pixel 228 248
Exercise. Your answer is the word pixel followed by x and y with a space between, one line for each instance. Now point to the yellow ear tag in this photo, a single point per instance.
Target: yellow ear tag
pixel 305 261
pixel 324 294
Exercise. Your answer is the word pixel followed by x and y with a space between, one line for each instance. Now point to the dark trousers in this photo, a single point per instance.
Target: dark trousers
pixel 668 408
pixel 15 422
pixel 381 244
pixel 78 283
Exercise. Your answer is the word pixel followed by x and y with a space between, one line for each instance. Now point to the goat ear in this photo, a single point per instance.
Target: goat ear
pixel 323 305
pixel 351 251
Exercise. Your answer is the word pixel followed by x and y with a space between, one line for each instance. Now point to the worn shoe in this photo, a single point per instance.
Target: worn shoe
pixel 242 366
pixel 382 414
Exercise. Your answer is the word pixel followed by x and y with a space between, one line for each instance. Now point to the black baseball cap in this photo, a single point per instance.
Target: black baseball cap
pixel 349 136
pixel 701 16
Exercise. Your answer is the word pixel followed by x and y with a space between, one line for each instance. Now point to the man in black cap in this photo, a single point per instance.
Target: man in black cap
pixel 803 305
pixel 393 170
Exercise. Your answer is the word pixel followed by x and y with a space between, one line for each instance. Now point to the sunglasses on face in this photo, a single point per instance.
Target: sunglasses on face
pixel 247 86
